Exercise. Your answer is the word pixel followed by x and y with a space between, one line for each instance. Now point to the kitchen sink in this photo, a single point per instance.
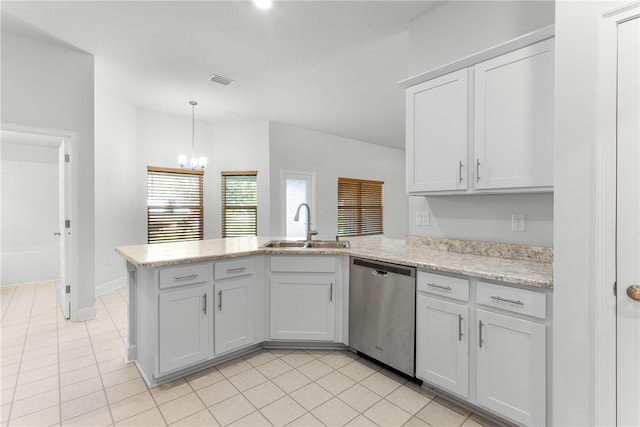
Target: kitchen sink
pixel 328 244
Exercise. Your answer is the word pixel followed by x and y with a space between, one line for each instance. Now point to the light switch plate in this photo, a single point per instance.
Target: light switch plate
pixel 423 218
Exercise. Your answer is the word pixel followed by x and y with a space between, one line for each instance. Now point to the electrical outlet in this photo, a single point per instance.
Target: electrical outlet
pixel 517 222
pixel 422 218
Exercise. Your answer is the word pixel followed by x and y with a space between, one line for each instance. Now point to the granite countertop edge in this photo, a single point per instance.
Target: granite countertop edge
pixel 522 272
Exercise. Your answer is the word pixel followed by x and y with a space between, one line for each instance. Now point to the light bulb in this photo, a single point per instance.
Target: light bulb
pixel 182 160
pixel 203 162
pixel 194 162
pixel 262 4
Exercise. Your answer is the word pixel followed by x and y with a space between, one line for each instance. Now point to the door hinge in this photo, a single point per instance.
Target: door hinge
pixel 67 289
pixel 67 158
pixel 615 289
pixel 67 223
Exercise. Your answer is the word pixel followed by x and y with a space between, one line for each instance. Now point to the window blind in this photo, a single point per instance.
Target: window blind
pixel 359 207
pixel 174 205
pixel 239 204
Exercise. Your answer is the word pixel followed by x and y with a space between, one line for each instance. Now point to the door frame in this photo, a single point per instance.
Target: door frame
pixel 70 142
pixel 604 266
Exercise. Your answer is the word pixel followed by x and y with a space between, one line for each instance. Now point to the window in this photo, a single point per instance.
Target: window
pixel 239 204
pixel 174 205
pixel 359 207
pixel 297 187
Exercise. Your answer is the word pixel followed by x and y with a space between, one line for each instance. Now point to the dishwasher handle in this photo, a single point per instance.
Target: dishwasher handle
pixel 379 272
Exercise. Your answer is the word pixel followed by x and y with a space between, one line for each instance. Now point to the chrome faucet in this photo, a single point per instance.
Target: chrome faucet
pixel 310 232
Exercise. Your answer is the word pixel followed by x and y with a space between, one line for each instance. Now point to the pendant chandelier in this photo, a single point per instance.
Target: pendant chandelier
pixel 196 162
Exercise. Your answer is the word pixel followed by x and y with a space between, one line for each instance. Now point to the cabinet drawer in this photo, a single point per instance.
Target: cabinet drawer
pixel 302 263
pixel 513 299
pixel 183 275
pixel 233 268
pixel 447 286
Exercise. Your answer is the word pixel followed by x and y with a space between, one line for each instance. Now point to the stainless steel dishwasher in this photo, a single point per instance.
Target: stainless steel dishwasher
pixel 382 303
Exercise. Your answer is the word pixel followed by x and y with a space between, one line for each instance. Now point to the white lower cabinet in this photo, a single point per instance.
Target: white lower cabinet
pixel 304 298
pixel 484 342
pixel 442 344
pixel 302 307
pixel 184 326
pixel 511 359
pixel 234 318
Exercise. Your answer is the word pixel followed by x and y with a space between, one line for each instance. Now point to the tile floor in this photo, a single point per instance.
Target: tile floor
pixel 58 372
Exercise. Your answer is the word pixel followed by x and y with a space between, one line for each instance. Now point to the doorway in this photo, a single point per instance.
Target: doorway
pixel 36 209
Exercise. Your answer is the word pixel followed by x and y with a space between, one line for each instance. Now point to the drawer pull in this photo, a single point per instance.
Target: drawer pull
pixel 507 300
pixel 331 292
pixel 480 340
pixel 220 300
pixel 236 270
pixel 460 166
pixel 204 303
pixel 460 334
pixel 444 288
pixel 190 276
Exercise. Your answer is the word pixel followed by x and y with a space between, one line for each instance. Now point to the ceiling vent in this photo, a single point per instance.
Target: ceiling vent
pixel 222 80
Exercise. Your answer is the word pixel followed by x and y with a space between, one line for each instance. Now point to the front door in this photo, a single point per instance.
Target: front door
pixel 628 225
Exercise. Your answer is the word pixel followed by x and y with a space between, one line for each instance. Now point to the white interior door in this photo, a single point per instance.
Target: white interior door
pixel 63 290
pixel 628 224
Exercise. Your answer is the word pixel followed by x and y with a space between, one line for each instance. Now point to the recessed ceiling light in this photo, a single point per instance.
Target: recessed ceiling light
pixel 222 80
pixel 262 4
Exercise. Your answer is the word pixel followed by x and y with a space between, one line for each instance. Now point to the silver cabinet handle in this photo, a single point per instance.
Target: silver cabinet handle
pixel 445 288
pixel 331 292
pixel 220 300
pixel 480 340
pixel 204 303
pixel 460 334
pixel 191 276
pixel 477 170
pixel 57 233
pixel 507 300
pixel 235 270
pixel 460 166
pixel 380 272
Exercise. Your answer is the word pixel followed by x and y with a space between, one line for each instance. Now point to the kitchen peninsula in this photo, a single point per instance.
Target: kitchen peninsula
pixel 197 304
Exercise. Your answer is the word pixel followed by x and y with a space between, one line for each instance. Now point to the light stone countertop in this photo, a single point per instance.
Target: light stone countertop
pixel 500 269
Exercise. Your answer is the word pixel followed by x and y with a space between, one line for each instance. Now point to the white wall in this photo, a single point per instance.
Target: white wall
pixel 485 217
pixel 239 147
pixel 450 32
pixel 29 202
pixel 576 133
pixel 116 196
pixel 461 28
pixel 305 150
pixel 51 86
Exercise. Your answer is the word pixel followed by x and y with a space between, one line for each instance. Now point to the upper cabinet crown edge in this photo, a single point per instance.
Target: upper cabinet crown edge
pixel 471 60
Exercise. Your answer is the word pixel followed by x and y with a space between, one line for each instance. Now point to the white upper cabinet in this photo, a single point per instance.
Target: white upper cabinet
pixel 487 127
pixel 513 126
pixel 437 130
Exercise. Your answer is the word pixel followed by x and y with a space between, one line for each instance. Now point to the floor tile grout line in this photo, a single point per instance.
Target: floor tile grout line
pixel 13 292
pixel 104 391
pixel 15 387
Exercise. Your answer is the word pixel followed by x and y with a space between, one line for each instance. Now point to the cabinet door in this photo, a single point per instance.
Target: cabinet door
pixel 184 327
pixel 303 307
pixel 512 367
pixel 234 326
pixel 437 127
pixel 442 344
pixel 513 135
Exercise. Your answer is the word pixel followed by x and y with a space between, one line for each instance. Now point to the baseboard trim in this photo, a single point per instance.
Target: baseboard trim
pixel 105 288
pixel 84 314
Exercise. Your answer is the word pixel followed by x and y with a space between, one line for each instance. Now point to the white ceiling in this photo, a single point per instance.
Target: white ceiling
pixel 325 65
